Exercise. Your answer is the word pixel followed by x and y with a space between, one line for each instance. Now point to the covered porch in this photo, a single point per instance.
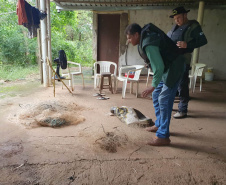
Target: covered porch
pixel 209 14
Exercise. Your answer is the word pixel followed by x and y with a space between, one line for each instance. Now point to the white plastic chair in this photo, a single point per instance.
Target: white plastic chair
pixel 197 73
pixel 74 70
pixel 105 67
pixel 134 69
pixel 149 73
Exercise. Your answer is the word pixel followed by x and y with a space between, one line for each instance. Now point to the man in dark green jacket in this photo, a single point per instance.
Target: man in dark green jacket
pixel 167 67
pixel 187 35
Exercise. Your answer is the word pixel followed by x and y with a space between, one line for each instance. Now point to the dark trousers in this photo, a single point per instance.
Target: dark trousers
pixel 183 90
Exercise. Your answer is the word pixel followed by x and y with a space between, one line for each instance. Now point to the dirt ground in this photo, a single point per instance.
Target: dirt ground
pixel 96 148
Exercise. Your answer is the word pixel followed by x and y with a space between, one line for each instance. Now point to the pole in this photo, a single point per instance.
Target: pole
pixel 44 44
pixel 49 38
pixel 39 47
pixel 195 57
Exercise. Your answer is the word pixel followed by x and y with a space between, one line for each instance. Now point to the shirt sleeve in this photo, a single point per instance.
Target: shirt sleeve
pixel 199 39
pixel 156 62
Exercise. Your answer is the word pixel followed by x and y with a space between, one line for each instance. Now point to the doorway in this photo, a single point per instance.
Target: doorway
pixel 108 37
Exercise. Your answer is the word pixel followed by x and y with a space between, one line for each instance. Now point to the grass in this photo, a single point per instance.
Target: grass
pixel 18 74
pixel 14 72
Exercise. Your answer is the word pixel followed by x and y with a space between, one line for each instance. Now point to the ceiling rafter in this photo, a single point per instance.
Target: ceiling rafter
pixel 127 4
pixel 137 2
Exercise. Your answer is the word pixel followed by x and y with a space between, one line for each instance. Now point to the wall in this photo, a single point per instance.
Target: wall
pixel 214 26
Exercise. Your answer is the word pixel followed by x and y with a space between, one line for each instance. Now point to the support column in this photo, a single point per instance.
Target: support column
pixel 95 33
pixel 195 57
pixel 49 38
pixel 39 47
pixel 44 44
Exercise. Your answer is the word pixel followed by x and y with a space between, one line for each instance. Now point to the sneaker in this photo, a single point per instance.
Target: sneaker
pixel 180 115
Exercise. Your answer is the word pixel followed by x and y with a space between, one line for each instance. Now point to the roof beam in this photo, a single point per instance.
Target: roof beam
pixel 109 5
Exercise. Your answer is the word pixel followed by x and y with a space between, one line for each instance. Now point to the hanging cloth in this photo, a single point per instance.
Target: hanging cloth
pixel 33 16
pixel 29 17
pixel 30 25
pixel 20 10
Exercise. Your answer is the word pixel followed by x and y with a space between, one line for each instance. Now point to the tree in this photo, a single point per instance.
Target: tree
pixel 15 47
pixel 70 30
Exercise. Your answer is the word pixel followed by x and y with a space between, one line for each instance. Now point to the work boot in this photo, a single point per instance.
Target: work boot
pixel 159 141
pixel 152 129
pixel 179 115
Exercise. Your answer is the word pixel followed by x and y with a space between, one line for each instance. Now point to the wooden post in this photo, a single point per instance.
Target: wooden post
pixel 195 57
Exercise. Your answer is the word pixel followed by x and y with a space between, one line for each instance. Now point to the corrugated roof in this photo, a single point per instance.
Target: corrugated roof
pixel 128 4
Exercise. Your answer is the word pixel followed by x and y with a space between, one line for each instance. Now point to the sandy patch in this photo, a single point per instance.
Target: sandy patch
pixel 48 113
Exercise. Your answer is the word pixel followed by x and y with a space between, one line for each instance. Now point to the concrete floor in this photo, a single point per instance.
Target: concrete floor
pixel 197 154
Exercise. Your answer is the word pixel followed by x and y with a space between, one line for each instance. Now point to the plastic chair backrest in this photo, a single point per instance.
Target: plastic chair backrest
pixel 75 67
pixel 199 69
pixel 105 66
pixel 137 72
pixel 135 69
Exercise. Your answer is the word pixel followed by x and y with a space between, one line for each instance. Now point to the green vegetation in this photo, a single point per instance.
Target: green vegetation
pixel 70 31
pixel 14 72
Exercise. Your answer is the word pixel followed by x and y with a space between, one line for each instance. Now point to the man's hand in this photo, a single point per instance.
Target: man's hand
pixel 147 91
pixel 182 44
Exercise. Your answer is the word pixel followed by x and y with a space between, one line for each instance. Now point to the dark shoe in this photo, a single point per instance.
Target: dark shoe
pixel 152 129
pixel 179 115
pixel 159 141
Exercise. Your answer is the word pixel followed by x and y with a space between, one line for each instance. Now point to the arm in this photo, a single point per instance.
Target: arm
pixel 157 65
pixel 198 39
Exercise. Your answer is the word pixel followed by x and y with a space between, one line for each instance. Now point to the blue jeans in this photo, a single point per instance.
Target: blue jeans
pixel 163 98
pixel 183 90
